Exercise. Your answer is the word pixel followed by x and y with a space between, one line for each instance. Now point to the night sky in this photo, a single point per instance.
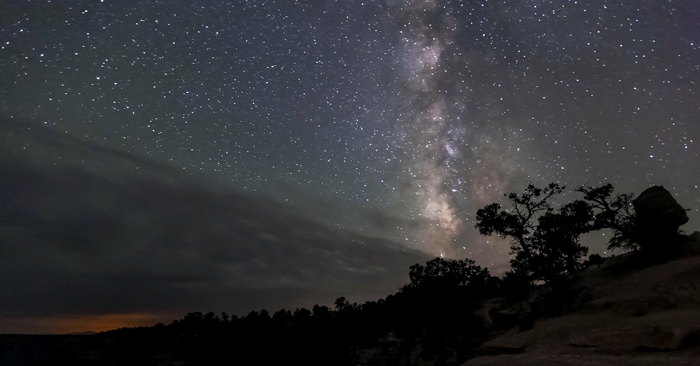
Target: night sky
pixel 161 157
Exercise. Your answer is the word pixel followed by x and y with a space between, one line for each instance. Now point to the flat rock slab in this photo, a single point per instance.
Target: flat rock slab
pixel 652 338
pixel 492 349
pixel 617 339
pixel 511 343
pixel 638 306
pixel 553 359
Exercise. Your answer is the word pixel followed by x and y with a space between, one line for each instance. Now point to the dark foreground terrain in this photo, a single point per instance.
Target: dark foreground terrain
pixel 616 315
pixel 29 349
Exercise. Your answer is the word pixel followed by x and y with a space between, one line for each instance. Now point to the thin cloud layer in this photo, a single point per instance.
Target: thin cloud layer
pixel 80 239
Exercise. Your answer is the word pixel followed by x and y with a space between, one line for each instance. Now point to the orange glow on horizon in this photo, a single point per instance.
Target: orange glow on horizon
pixel 74 324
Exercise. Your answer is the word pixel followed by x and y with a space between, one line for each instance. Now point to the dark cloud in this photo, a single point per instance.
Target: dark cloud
pixel 148 239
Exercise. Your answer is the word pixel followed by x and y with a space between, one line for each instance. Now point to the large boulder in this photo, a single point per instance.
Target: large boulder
pixel 657 207
pixel 658 217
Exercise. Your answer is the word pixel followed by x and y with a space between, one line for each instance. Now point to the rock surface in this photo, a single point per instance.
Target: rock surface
pixel 616 339
pixel 638 306
pixel 644 317
pixel 658 217
pixel 668 339
pixel 504 345
pixel 654 338
pixel 567 358
pixel 657 207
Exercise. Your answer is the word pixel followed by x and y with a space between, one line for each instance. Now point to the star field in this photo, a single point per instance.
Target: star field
pixel 421 110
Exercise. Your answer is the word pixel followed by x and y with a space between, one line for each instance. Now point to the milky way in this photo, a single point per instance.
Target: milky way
pixel 392 119
pixel 509 94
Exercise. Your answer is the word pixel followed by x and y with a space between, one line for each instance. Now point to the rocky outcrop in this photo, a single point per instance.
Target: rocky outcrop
pixel 649 316
pixel 658 217
pixel 656 206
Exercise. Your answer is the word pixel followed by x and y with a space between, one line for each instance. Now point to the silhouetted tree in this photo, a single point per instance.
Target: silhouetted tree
pixel 613 212
pixel 253 315
pixel 440 302
pixel 302 314
pixel 453 274
pixel 321 315
pixel 518 223
pixel 557 251
pixel 282 316
pixel 515 285
pixel 341 303
pixel 594 259
pixel 544 242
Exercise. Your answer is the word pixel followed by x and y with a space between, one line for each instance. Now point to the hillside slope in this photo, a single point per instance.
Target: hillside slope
pixel 650 316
